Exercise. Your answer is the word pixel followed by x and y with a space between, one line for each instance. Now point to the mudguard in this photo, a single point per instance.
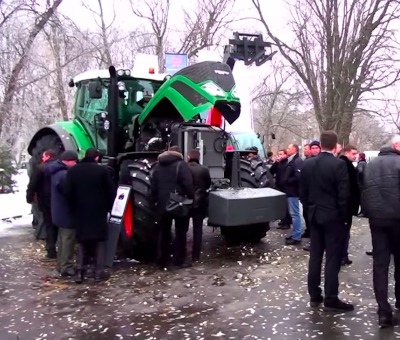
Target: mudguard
pixel 71 133
pixel 245 206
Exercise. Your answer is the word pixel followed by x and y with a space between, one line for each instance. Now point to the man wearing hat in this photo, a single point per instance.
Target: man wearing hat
pixel 61 214
pixel 315 148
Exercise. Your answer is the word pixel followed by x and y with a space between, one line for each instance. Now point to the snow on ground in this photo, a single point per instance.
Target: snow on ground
pixel 14 211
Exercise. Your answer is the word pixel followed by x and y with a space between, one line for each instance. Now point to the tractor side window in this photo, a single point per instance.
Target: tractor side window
pixel 88 108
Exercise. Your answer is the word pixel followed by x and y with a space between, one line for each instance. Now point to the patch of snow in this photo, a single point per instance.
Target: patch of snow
pixel 12 205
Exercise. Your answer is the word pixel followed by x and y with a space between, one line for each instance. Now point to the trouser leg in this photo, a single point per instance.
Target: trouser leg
pixel 197 219
pixel 295 213
pixel 181 229
pixel 317 248
pixel 335 235
pixel 165 240
pixel 99 258
pixel 347 239
pixel 381 261
pixel 82 256
pixel 51 235
pixel 66 249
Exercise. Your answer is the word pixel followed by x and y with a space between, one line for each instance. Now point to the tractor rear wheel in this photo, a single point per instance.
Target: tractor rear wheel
pixel 139 236
pixel 44 143
pixel 255 174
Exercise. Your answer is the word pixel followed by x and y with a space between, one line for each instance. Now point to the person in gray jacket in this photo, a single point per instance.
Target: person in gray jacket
pixel 381 205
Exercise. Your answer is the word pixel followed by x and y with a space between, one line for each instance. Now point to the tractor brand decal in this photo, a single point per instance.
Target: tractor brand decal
pixel 224 73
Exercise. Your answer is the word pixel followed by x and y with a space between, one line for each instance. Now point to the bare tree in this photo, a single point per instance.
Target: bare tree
pixel 342 51
pixel 156 12
pixel 205 25
pixel 11 86
pixel 367 133
pixel 105 30
pixel 277 100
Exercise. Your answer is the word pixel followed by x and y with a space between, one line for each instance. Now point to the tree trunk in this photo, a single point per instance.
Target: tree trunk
pixel 60 89
pixel 11 87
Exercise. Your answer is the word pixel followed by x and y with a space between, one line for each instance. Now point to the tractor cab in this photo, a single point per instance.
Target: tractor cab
pixel 91 103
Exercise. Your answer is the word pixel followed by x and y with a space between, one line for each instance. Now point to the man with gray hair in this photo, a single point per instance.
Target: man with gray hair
pixel 381 205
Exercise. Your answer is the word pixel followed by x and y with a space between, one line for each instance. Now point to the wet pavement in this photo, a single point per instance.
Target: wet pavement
pixel 238 292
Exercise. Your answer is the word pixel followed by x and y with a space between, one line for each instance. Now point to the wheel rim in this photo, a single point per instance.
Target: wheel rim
pixel 128 219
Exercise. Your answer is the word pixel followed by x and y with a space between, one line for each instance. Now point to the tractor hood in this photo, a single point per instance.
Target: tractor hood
pixel 196 89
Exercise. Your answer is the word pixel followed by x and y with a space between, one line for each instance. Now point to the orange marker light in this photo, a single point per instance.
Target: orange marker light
pixel 151 70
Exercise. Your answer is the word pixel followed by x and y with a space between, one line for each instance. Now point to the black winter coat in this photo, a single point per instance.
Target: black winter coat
pixel 165 179
pixel 60 212
pixel 278 170
pixel 380 198
pixel 361 171
pixel 90 193
pixel 291 176
pixel 355 196
pixel 40 186
pixel 201 183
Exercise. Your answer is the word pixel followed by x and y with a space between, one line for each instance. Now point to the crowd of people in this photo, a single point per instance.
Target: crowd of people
pixel 332 188
pixel 75 198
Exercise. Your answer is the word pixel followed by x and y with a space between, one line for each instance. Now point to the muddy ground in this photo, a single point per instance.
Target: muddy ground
pixel 240 292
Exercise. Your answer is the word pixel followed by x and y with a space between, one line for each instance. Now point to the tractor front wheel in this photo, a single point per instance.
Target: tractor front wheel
pixel 255 174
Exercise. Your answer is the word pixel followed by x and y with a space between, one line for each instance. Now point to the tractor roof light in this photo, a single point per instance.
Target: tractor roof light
pixel 121 72
pixel 213 90
pixel 127 72
pixel 121 86
pixel 152 70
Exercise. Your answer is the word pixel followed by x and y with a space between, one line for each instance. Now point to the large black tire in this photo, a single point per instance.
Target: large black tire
pixel 46 142
pixel 139 232
pixel 255 174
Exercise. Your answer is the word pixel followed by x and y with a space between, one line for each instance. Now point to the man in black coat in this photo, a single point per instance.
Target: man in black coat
pixel 171 174
pixel 324 192
pixel 381 204
pixel 290 186
pixel 277 170
pixel 90 193
pixel 61 214
pixel 349 156
pixel 201 183
pixel 39 187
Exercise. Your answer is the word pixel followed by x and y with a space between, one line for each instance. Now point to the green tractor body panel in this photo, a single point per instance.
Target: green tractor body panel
pixel 196 89
pixel 81 138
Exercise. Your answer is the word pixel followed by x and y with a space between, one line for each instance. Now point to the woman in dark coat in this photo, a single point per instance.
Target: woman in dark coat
pixel 90 193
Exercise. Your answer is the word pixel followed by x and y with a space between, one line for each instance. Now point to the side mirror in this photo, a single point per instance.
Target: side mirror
pixel 95 90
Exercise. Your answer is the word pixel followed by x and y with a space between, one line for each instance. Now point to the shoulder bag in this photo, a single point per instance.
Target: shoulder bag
pixel 178 205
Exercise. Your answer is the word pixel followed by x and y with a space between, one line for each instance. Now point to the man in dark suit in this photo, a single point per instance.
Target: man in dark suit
pixel 381 204
pixel 324 192
pixel 349 156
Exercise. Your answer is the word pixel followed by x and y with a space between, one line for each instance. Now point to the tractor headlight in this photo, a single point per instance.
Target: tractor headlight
pixel 121 86
pixel 235 92
pixel 121 72
pixel 213 90
pixel 127 72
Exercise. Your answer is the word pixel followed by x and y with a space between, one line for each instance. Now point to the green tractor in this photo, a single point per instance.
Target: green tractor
pixel 132 118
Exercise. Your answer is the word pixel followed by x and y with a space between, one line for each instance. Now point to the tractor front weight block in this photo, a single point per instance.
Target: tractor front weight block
pixel 245 206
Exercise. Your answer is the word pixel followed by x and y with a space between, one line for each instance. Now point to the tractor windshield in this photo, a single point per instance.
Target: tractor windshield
pixel 136 93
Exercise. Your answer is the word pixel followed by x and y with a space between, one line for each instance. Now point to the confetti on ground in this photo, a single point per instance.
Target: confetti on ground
pixel 253 291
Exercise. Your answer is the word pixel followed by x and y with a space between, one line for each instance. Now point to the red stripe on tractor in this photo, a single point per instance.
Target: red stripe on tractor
pixel 128 219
